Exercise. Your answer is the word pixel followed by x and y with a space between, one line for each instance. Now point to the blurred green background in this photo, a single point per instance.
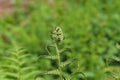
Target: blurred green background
pixel 91 29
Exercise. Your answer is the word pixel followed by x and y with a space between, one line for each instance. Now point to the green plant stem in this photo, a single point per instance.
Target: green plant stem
pixel 19 68
pixel 59 61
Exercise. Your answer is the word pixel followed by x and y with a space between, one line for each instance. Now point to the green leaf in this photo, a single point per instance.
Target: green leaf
pixel 15 75
pixel 67 76
pixel 53 72
pixel 24 56
pixel 65 63
pixel 50 57
pixel 7 66
pixel 39 78
pixel 14 60
pixel 27 68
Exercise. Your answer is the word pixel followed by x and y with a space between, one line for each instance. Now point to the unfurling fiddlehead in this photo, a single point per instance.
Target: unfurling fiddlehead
pixel 57 40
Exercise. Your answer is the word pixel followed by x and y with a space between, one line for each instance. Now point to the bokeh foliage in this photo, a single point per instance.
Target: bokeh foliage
pixel 91 29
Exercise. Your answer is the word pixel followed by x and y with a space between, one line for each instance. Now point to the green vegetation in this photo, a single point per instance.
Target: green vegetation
pixel 16 66
pixel 58 38
pixel 91 31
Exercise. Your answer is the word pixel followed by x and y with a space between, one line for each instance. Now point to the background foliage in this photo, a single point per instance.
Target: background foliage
pixel 91 30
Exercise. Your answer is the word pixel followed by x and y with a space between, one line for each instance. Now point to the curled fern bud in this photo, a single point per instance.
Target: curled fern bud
pixel 57 35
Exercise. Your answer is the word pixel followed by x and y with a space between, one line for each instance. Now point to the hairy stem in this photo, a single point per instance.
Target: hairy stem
pixel 59 61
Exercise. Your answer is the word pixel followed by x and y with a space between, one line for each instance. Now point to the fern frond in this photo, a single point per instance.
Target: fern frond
pixel 47 48
pixel 11 59
pixel 53 72
pixel 24 56
pixel 52 57
pixel 32 73
pixel 27 68
pixel 67 76
pixel 7 66
pixel 63 64
pixel 65 50
pixel 76 74
pixel 17 65
pixel 11 74
pixel 17 51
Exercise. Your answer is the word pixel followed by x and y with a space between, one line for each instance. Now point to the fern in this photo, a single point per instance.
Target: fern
pixel 17 66
pixel 58 38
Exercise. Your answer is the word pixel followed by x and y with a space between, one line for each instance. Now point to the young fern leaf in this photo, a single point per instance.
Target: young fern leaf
pixel 53 72
pixel 47 48
pixel 63 64
pixel 57 38
pixel 17 66
pixel 51 57
pixel 76 74
pixel 67 76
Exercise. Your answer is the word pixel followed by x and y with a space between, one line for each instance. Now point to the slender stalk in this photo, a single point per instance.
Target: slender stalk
pixel 59 61
pixel 19 68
